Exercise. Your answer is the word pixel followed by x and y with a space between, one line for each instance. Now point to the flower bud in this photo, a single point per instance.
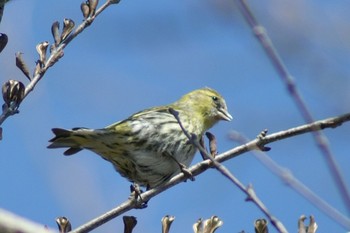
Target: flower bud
pixel 93 5
pixel 85 9
pixel 260 226
pixel 166 223
pixel 56 32
pixel 22 65
pixel 13 93
pixel 64 224
pixel 41 48
pixel 129 223
pixel 68 26
pixel 3 41
pixel 207 226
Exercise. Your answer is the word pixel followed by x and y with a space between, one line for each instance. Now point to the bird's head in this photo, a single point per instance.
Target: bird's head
pixel 206 105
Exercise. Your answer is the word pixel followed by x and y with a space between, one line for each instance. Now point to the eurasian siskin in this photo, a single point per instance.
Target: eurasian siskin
pixel 149 147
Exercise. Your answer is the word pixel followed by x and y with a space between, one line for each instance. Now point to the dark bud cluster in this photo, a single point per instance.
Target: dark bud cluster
pixel 13 94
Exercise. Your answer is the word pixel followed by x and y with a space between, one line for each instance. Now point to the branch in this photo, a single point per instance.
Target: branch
pixel 287 177
pixel 249 191
pixel 286 77
pixel 56 54
pixel 10 223
pixel 206 164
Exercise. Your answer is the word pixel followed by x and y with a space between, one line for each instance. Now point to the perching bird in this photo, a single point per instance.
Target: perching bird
pixel 150 147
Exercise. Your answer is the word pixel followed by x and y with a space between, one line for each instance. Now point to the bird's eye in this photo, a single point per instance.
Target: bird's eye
pixel 215 98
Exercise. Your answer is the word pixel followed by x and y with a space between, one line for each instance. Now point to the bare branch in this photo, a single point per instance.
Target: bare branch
pixel 249 191
pixel 286 77
pixel 10 223
pixel 57 53
pixel 287 177
pixel 206 164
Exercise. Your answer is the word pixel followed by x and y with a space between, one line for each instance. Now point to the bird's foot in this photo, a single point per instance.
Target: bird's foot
pixel 135 195
pixel 187 173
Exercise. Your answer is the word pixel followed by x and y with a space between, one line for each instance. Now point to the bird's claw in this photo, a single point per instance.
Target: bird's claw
pixel 187 173
pixel 135 195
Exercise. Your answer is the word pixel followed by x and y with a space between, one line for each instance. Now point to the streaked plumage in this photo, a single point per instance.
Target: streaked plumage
pixel 140 147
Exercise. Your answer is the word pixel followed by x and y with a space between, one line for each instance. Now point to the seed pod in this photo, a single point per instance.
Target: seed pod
pixel 92 5
pixel 114 1
pixel 3 41
pixel 41 48
pixel 55 30
pixel 68 26
pixel 64 224
pixel 85 9
pixel 13 92
pixel 22 65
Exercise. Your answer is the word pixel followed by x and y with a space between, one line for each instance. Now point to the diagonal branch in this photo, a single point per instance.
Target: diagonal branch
pixel 201 167
pixel 288 178
pixel 56 54
pixel 286 77
pixel 249 191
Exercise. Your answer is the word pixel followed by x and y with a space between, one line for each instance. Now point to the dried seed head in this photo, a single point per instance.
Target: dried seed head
pixel 55 30
pixel 3 41
pixel 41 48
pixel 63 224
pixel 68 26
pixel 13 93
pixel 92 5
pixel 85 9
pixel 22 65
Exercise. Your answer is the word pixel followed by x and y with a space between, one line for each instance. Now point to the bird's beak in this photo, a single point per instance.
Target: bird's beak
pixel 224 115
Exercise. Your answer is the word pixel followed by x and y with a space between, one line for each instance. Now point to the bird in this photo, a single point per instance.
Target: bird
pixel 150 147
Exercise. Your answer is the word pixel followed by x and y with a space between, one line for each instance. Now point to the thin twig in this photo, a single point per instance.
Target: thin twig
pixel 320 138
pixel 287 177
pixel 202 166
pixel 249 191
pixel 55 56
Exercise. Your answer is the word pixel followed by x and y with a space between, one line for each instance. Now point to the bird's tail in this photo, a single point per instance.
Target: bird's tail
pixel 73 139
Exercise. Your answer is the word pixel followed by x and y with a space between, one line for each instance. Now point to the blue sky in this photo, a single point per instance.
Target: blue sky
pixel 137 55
